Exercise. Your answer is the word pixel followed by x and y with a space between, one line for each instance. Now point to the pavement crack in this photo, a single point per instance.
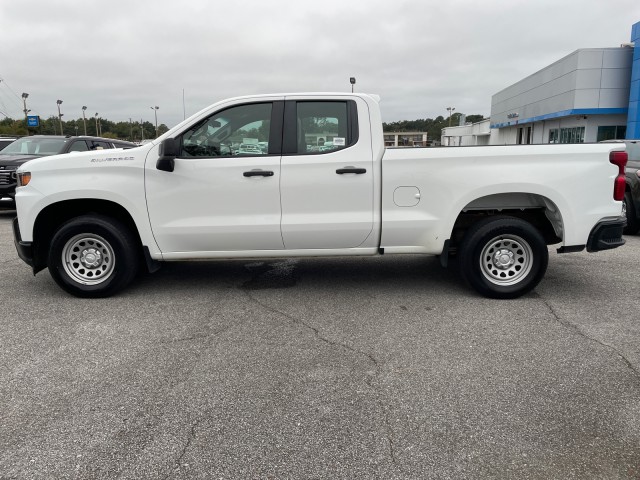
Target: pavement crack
pixel 579 331
pixel 178 463
pixel 369 380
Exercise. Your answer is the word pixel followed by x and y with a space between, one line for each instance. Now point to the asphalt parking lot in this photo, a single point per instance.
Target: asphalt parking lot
pixel 383 367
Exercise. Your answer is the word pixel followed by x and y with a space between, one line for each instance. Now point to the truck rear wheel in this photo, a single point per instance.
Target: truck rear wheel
pixel 503 257
pixel 93 256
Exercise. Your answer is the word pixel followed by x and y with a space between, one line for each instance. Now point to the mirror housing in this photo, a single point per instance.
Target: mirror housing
pixel 168 151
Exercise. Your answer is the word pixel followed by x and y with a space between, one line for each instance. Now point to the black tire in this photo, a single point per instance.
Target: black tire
pixel 503 257
pixel 110 261
pixel 633 225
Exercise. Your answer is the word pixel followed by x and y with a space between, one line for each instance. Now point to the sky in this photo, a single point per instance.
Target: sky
pixel 121 58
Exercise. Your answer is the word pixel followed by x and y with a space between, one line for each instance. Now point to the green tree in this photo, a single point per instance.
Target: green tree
pixel 433 127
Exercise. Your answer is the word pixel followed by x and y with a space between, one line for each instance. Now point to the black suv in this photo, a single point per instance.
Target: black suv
pixel 28 148
pixel 631 204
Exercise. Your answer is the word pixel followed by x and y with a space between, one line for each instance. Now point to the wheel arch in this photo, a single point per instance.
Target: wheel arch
pixel 534 208
pixel 55 214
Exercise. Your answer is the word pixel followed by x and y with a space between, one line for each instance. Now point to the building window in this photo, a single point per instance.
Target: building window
pixel 572 135
pixel 554 135
pixel 612 133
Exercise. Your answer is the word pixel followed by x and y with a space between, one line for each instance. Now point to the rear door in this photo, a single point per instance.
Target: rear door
pixel 327 182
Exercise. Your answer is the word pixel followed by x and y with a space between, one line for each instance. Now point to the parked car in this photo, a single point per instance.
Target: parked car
pixel 631 204
pixel 27 148
pixel 4 141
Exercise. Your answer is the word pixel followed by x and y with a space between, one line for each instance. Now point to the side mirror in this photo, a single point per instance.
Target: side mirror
pixel 169 150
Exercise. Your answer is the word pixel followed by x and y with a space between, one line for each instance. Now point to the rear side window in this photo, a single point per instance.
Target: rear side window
pixel 79 146
pixel 315 127
pixel 99 145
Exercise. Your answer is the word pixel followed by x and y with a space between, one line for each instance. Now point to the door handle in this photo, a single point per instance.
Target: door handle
pixel 357 171
pixel 258 173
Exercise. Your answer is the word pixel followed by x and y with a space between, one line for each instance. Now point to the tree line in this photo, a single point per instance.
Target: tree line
pixel 99 127
pixel 137 131
pixel 432 126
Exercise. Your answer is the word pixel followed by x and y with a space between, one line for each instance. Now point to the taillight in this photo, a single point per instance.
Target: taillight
pixel 619 184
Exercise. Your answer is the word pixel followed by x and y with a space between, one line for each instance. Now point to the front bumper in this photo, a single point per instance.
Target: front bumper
pixel 607 234
pixel 25 249
pixel 7 189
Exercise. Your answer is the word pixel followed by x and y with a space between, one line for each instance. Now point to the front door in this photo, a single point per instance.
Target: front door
pixel 223 194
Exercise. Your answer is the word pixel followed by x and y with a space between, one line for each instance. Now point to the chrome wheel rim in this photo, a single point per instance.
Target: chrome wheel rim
pixel 624 208
pixel 88 259
pixel 506 260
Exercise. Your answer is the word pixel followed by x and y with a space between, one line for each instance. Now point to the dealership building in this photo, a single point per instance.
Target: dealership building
pixel 590 95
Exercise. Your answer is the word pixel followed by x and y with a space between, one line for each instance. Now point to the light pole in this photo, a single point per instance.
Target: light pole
pixel 59 102
pixel 84 119
pixel 97 134
pixel 352 80
pixel 450 110
pixel 155 111
pixel 24 101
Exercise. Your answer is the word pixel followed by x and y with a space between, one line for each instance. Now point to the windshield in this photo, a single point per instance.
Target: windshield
pixel 35 146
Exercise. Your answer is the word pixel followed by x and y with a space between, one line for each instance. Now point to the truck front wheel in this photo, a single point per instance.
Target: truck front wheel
pixel 503 257
pixel 93 256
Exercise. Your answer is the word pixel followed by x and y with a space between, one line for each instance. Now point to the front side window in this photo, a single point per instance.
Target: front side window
pixel 242 130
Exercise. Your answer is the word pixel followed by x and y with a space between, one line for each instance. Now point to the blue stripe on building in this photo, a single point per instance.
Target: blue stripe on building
pixel 564 113
pixel 633 117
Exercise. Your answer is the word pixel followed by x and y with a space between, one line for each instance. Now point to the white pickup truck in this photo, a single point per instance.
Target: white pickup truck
pixel 321 184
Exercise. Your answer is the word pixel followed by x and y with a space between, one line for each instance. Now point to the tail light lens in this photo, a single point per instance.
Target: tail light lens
pixel 619 185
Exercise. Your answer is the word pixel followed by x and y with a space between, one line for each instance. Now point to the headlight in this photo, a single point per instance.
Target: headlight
pixel 24 178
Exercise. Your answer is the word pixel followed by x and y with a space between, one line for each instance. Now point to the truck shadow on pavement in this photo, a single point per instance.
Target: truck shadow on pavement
pixel 367 273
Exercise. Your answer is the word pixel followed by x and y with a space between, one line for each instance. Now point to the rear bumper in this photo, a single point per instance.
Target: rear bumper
pixel 25 249
pixel 607 234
